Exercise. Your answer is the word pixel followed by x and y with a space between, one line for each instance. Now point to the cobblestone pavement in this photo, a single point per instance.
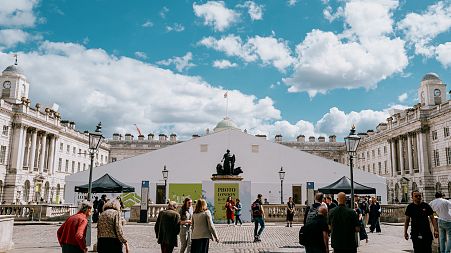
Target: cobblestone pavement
pixel 276 238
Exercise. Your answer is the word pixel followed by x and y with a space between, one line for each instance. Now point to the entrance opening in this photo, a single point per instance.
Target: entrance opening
pixel 160 194
pixel 297 196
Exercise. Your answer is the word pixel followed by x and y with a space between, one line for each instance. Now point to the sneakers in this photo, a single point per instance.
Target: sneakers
pixel 257 239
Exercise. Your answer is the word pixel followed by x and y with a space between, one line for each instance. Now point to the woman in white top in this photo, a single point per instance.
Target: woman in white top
pixel 203 228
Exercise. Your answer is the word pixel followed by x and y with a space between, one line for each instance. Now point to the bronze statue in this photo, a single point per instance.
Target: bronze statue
pixel 228 166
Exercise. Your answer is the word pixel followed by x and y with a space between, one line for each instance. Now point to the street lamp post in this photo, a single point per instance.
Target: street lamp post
pixel 165 177
pixel 281 177
pixel 352 141
pixel 95 139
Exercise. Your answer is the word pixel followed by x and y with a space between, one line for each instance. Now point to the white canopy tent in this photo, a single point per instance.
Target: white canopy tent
pixel 195 161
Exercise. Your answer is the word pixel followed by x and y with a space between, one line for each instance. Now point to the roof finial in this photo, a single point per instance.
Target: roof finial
pixel 15 56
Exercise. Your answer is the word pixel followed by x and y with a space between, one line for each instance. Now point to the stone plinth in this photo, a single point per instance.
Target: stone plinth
pixel 226 178
pixel 6 232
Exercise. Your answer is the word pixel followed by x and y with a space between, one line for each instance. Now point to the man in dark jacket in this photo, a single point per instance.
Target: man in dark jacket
pixel 167 228
pixel 375 213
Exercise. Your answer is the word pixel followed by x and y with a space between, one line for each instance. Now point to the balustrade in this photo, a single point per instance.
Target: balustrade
pixel 44 212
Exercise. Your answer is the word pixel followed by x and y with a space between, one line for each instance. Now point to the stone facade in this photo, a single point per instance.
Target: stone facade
pixel 412 149
pixel 37 148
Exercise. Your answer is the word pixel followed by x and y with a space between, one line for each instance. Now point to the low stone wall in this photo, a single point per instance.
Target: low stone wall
pixel 6 232
pixel 38 212
pixel 277 213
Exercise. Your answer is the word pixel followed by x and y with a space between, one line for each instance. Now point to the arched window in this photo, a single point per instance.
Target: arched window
pixel 414 186
pixel 26 191
pixel 438 187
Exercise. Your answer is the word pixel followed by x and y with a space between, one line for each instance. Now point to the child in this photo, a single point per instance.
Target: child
pixel 238 212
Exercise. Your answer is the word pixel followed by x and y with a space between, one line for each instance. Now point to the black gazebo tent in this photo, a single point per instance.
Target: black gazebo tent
pixel 344 185
pixel 106 184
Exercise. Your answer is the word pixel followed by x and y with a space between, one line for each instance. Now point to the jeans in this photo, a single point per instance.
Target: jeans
pixel 238 219
pixel 445 232
pixel 257 221
pixel 185 239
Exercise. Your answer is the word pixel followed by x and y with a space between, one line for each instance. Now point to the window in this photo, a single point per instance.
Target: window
pixel 79 166
pixel 61 147
pixel 436 158
pixel 255 148
pixel 363 168
pixel 385 167
pixel 101 158
pixel 378 151
pixel 448 155
pixel 68 148
pixel 74 150
pixel 374 168
pixel 5 130
pixel 385 150
pixel 66 169
pixel 2 154
pixel 368 154
pixel 446 131
pixel 73 166
pixel 113 159
pixel 373 153
pixel 84 166
pixel 434 135
pixel 379 165
pixel 79 151
pixel 60 163
pixel 363 155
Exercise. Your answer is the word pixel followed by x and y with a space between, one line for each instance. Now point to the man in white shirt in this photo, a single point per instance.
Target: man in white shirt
pixel 442 208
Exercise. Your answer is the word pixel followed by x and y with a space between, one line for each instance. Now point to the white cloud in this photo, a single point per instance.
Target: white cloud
pixel 175 28
pixel 255 11
pixel 270 50
pixel 443 54
pixel 11 37
pixel 148 23
pixel 292 2
pixel 17 13
pixel 403 97
pixel 215 14
pixel 330 15
pixel 164 11
pixel 141 55
pixel 120 91
pixel 181 63
pixel 361 56
pixel 421 29
pixel 224 64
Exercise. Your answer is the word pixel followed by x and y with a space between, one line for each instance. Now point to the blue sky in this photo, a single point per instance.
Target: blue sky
pixel 290 67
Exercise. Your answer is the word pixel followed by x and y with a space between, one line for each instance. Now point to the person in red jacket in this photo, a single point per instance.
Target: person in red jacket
pixel 72 234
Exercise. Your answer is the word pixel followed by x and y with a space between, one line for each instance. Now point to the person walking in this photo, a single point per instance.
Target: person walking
pixel 186 213
pixel 230 210
pixel 72 234
pixel 110 235
pixel 420 232
pixel 343 223
pixel 362 233
pixel 442 208
pixel 95 205
pixel 317 233
pixel 167 228
pixel 290 212
pixel 203 228
pixel 312 211
pixel 364 207
pixel 258 216
pixel 375 213
pixel 238 207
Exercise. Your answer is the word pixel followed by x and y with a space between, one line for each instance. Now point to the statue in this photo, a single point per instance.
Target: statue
pixel 228 166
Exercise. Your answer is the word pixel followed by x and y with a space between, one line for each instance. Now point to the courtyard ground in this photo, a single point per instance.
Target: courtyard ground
pixel 276 238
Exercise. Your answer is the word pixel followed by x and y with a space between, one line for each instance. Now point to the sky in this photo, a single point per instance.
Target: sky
pixel 288 67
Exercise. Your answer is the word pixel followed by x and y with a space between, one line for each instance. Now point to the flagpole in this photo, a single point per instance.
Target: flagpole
pixel 227 105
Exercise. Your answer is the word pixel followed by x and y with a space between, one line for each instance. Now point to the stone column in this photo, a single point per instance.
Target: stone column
pixel 33 150
pixel 19 135
pixel 42 154
pixel 51 153
pixel 424 154
pixel 409 153
pixel 401 160
pixel 393 157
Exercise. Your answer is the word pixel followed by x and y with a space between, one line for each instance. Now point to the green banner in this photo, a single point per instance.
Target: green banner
pixel 178 192
pixel 222 191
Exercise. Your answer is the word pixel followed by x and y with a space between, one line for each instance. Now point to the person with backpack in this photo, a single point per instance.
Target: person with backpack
pixel 312 211
pixel 258 216
pixel 316 233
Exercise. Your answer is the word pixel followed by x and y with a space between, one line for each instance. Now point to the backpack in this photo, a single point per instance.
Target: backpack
pixel 302 236
pixel 312 213
pixel 256 209
pixel 305 234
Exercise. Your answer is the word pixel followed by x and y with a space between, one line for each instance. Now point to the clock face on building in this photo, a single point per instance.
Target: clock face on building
pixel 437 92
pixel 7 84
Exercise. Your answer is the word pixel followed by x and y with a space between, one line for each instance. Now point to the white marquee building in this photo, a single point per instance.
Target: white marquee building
pixel 194 161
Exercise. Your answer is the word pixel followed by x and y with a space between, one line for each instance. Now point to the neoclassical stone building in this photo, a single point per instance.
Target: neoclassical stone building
pixel 37 149
pixel 412 149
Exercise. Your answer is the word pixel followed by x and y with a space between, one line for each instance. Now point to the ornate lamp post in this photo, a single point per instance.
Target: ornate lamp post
pixel 281 177
pixel 352 141
pixel 165 177
pixel 95 139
